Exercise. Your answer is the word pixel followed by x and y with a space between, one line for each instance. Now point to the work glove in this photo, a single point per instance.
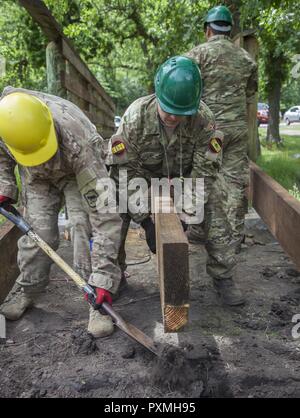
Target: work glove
pixel 4 199
pixel 149 228
pixel 184 225
pixel 102 295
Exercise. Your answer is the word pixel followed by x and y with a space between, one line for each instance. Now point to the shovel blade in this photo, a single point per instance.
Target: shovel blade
pixel 137 335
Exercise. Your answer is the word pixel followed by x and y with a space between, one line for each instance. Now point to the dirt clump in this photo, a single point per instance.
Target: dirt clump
pixel 174 370
pixel 83 342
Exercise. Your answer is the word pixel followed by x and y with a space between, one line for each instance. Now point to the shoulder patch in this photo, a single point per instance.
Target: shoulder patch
pixel 91 197
pixel 215 145
pixel 118 147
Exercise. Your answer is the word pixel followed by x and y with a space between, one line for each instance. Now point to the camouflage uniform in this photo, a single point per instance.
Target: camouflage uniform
pixel 230 82
pixel 71 174
pixel 149 152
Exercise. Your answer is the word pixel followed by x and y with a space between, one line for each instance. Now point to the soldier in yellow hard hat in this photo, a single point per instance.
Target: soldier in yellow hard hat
pixel 57 150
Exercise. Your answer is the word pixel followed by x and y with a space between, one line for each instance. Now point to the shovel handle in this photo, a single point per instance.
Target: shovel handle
pixel 15 217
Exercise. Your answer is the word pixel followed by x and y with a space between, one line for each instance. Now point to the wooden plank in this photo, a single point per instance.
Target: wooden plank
pixel 278 209
pixel 56 67
pixel 173 267
pixel 9 235
pixel 95 119
pixel 69 53
pixel 42 15
pixel 252 47
pixel 74 85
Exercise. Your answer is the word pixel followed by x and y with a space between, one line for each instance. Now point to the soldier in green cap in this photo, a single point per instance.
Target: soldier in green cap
pixel 230 80
pixel 171 134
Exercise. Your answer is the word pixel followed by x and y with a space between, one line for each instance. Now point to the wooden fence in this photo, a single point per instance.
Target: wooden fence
pixel 68 76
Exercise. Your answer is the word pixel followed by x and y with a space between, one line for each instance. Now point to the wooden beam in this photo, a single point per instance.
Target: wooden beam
pixel 173 266
pixel 252 47
pixel 9 235
pixel 56 68
pixel 42 15
pixel 72 84
pixel 278 209
pixel 69 53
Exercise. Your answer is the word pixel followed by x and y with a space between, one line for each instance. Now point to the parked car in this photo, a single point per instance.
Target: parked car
pixel 292 115
pixel 262 113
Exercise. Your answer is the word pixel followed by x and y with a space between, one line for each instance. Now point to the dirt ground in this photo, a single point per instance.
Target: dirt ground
pixel 240 352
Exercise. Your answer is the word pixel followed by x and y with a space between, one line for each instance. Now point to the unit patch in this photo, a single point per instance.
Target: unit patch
pixel 215 145
pixel 118 147
pixel 91 197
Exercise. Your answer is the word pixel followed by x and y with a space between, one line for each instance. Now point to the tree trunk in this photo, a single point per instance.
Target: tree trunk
pixel 274 91
pixel 234 6
pixel 276 73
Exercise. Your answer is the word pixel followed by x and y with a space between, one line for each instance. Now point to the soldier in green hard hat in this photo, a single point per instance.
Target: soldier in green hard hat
pixel 171 134
pixel 230 78
pixel 219 19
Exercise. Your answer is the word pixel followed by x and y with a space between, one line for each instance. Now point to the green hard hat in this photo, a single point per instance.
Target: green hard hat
pixel 219 14
pixel 178 86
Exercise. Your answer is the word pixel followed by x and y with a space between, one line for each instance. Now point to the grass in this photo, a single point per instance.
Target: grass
pixel 280 162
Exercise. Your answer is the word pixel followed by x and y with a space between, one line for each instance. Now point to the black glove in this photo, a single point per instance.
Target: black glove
pixel 184 225
pixel 149 228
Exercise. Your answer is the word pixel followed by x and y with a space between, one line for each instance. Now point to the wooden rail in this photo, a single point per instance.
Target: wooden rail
pixel 278 209
pixel 68 75
pixel 9 235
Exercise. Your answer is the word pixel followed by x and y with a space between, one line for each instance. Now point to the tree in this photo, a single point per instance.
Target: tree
pixel 22 45
pixel 124 41
pixel 278 24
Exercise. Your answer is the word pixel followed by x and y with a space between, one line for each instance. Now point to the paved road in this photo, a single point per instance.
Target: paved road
pixel 293 129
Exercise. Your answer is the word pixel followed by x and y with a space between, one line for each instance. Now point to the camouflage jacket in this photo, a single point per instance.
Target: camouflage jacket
pixel 230 78
pixel 143 148
pixel 78 156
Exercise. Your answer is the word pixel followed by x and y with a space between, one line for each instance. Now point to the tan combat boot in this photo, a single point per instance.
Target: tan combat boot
pixel 100 325
pixel 16 303
pixel 228 292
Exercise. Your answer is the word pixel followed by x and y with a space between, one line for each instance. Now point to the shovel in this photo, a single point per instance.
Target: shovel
pixel 14 216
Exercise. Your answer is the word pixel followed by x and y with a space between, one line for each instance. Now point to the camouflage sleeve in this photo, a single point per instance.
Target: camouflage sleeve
pixel 194 54
pixel 92 178
pixel 8 185
pixel 124 159
pixel 252 84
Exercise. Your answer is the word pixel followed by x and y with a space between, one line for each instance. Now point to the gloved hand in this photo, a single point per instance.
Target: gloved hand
pixel 4 199
pixel 103 295
pixel 184 225
pixel 149 228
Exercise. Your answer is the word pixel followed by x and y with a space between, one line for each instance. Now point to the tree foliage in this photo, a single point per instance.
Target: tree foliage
pixel 22 48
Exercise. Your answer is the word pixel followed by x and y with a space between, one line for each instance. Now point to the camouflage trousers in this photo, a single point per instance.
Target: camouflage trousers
pixel 124 230
pixel 216 230
pixel 42 202
pixel 235 170
pixel 231 188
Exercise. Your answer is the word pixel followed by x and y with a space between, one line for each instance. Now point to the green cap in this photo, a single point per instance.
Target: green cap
pixel 178 86
pixel 219 14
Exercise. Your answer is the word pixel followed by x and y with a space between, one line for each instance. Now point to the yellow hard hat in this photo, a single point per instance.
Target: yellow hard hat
pixel 27 128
